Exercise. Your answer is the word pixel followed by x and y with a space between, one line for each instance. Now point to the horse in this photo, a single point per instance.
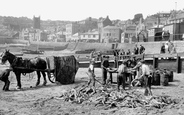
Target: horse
pixel 21 65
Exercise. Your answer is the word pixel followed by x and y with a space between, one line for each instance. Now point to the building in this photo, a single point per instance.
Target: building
pixel 151 21
pixel 80 27
pixel 71 29
pixel 75 37
pixel 24 34
pixel 157 19
pixel 141 31
pixel 103 23
pixel 175 25
pixel 90 36
pixel 61 36
pixel 129 35
pixel 111 34
pixel 36 22
pixel 155 34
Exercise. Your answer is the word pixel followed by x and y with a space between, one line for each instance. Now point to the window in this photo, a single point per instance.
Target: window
pixel 84 36
pixel 94 36
pixel 89 36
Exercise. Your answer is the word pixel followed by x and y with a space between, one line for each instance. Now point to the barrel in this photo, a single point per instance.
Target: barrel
pixel 170 76
pixel 164 78
pixel 156 78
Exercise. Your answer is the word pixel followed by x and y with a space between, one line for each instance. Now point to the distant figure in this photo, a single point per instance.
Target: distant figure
pixel 116 58
pixel 170 45
pixel 4 77
pixel 128 52
pixel 173 50
pixel 104 66
pixel 166 47
pixel 136 50
pixel 165 35
pixel 121 53
pixel 141 49
pixel 99 56
pixel 162 50
pixel 92 54
pixel 115 52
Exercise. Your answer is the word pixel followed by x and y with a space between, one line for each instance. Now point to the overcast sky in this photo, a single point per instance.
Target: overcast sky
pixel 75 10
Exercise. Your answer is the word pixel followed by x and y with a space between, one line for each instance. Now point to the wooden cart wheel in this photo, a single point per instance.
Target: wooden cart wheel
pixel 51 77
pixel 50 73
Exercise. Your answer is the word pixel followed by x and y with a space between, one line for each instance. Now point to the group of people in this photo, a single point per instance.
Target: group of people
pixel 123 71
pixel 137 50
pixel 168 48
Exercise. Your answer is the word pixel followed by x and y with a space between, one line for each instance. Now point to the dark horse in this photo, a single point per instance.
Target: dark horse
pixel 20 65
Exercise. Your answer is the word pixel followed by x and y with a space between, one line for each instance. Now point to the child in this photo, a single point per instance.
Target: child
pixel 91 74
pixel 4 77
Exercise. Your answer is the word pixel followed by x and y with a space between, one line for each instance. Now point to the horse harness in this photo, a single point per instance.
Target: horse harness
pixel 19 63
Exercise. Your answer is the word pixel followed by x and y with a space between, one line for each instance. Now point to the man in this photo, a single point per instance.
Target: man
pixel 116 58
pixel 122 74
pixel 104 66
pixel 121 77
pixel 145 76
pixel 141 49
pixel 136 50
pixel 162 50
pixel 128 52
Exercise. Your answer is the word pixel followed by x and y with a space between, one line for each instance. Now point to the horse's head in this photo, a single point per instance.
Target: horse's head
pixel 6 55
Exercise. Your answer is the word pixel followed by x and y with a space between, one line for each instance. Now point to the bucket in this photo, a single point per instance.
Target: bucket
pixel 164 79
pixel 170 76
pixel 156 78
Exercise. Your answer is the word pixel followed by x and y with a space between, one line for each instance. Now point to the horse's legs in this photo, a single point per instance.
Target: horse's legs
pixel 18 75
pixel 38 80
pixel 44 77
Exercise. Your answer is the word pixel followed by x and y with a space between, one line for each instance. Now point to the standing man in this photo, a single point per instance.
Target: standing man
pixel 141 49
pixel 145 76
pixel 116 58
pixel 136 50
pixel 162 50
pixel 104 66
pixel 121 77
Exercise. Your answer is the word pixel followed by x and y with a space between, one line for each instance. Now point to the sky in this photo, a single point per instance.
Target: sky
pixel 76 10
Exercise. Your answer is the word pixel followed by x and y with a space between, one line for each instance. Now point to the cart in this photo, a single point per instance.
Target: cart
pixel 62 69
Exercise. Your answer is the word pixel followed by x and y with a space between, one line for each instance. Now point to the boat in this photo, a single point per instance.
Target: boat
pixel 26 51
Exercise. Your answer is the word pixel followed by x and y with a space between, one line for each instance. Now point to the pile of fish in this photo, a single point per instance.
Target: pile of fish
pixel 110 98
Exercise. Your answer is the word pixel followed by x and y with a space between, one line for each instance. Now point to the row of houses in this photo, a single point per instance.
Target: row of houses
pixel 127 31
pixel 106 31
